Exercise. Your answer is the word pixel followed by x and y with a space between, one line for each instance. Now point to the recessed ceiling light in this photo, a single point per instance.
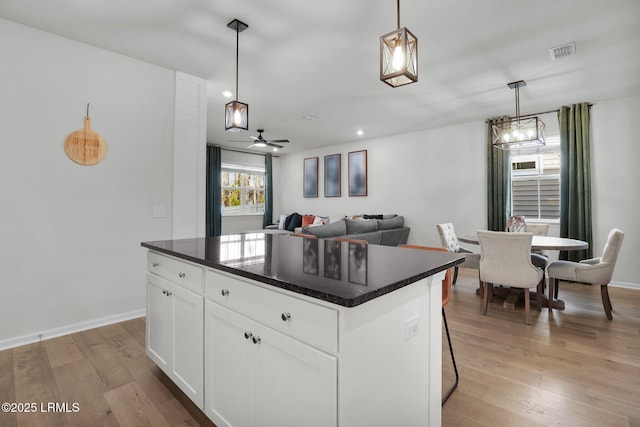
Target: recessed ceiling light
pixel 227 94
pixel 360 132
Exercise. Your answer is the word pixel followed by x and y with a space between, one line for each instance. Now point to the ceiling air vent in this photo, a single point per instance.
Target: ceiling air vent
pixel 563 51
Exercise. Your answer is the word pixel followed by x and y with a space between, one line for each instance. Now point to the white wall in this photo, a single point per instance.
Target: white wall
pixel 70 250
pixel 615 152
pixel 440 176
pixel 428 177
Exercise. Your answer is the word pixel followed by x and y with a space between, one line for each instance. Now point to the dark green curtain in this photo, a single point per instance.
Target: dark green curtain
pixel 213 211
pixel 498 182
pixel 575 178
pixel 268 193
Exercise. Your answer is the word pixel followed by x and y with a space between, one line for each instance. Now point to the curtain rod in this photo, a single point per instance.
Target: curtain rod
pixel 540 113
pixel 242 151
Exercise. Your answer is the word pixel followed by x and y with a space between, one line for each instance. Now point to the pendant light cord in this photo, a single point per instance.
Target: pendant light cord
pixel 398 14
pixel 237 54
pixel 517 102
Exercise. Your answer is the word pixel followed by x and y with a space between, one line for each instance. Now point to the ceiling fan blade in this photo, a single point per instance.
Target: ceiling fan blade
pixel 279 140
pixel 271 144
pixel 255 138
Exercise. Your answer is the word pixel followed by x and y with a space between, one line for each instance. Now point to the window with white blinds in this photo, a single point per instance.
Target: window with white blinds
pixel 535 181
pixel 243 190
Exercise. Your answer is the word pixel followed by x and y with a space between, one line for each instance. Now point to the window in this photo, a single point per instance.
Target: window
pixel 242 190
pixel 535 181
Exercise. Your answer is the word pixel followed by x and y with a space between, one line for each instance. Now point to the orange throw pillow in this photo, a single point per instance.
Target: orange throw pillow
pixel 308 219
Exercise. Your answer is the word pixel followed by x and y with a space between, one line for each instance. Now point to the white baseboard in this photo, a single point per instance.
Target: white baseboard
pixel 69 329
pixel 627 285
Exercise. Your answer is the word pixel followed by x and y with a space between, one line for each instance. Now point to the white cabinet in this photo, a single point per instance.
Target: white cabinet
pixel 175 329
pixel 278 358
pixel 256 376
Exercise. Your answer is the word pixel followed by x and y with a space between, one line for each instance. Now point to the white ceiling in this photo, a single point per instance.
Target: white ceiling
pixel 321 58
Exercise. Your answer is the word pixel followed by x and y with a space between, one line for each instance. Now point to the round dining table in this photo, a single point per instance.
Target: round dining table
pixel 543 243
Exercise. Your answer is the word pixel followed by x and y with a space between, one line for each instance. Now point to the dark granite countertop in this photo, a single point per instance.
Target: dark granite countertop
pixel 342 273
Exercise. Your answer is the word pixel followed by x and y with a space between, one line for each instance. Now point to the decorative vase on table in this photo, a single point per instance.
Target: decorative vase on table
pixel 516 224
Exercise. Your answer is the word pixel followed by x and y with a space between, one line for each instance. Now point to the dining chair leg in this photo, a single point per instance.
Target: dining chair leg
pixel 527 306
pixel 539 291
pixel 453 359
pixel 455 275
pixel 488 290
pixel 553 282
pixel 606 302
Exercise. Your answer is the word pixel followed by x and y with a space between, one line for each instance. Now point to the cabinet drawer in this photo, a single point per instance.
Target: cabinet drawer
pixel 306 321
pixel 182 273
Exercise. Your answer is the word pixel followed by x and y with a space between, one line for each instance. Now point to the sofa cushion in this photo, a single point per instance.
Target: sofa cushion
pixel 361 225
pixel 388 224
pixel 333 229
pixel 296 221
pixel 319 220
pixel 394 236
pixel 281 222
pixel 287 220
pixel 308 219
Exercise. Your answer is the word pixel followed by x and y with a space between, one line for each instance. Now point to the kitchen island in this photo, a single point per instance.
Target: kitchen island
pixel 275 330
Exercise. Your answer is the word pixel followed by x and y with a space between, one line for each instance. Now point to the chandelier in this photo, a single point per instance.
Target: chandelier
pixel 518 132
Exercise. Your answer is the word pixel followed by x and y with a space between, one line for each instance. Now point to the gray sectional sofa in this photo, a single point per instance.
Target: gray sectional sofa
pixel 389 230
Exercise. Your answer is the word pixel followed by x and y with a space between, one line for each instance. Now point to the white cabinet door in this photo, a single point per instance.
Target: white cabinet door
pixel 296 384
pixel 175 334
pixel 256 376
pixel 158 328
pixel 188 343
pixel 230 367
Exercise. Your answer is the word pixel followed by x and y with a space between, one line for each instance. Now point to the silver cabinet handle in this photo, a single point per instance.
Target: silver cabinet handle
pixel 225 292
pixel 247 335
pixel 155 264
pixel 181 275
pixel 257 340
pixel 285 316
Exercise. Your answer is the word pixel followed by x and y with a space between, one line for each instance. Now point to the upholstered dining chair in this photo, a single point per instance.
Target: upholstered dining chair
pixel 595 271
pixel 506 260
pixel 446 296
pixel 449 241
pixel 538 229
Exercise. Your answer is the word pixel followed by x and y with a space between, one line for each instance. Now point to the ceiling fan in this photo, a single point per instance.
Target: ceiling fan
pixel 260 141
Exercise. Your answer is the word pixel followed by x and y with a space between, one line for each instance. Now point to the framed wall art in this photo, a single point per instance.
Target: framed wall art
pixel 332 175
pixel 310 180
pixel 358 173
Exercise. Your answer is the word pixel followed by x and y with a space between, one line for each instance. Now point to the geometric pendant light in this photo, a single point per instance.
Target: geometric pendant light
pixel 236 114
pixel 519 132
pixel 399 56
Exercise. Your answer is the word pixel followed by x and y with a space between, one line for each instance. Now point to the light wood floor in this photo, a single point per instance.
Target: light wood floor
pixel 573 368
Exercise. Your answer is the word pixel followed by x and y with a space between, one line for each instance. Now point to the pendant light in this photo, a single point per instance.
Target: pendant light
pixel 236 114
pixel 521 131
pixel 399 56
